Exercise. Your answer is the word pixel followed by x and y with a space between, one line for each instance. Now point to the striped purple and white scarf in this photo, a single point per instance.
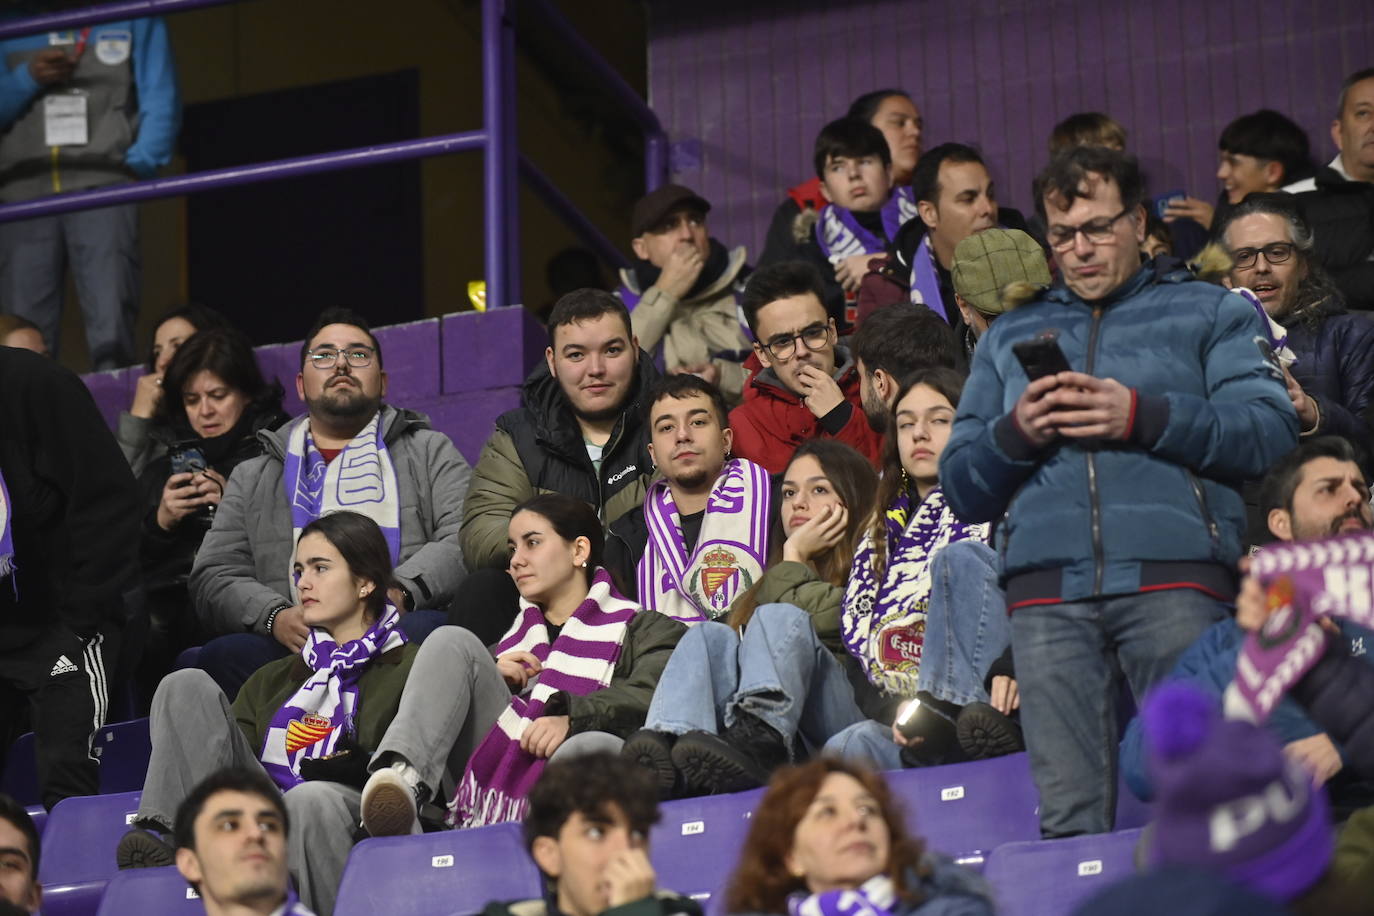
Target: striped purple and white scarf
pixel 1304 582
pixel 840 235
pixel 580 661
pixel 325 707
pixel 361 479
pixel 925 280
pixel 883 623
pixel 730 553
pixel 6 534
pixel 875 897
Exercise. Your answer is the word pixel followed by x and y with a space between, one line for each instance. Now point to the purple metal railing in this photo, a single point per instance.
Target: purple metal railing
pixel 502 162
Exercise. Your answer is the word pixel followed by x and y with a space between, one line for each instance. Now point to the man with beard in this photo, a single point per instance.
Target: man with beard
pixel 682 290
pixel 348 452
pixel 1331 383
pixel 702 535
pixel 893 343
pixel 578 431
pixel 1314 492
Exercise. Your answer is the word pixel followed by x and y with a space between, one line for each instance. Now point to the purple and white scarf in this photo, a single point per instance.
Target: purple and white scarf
pixel 730 553
pixel 1278 334
pixel 360 479
pixel 925 280
pixel 840 234
pixel 580 661
pixel 6 532
pixel 325 707
pixel 1303 582
pixel 883 623
pixel 875 897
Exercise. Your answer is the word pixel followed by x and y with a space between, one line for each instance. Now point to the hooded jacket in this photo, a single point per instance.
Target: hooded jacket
pixel 1085 519
pixel 1341 214
pixel 538 448
pixel 702 327
pixel 769 426
pixel 240 573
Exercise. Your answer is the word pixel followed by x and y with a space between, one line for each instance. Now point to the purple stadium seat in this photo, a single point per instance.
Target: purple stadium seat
pixel 1051 877
pixel 968 808
pixel 149 892
pixel 695 846
pixel 438 874
pixel 40 817
pixel 79 851
pixel 123 749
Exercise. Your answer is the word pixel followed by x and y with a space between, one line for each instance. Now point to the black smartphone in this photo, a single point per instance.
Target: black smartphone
pixel 1040 356
pixel 187 460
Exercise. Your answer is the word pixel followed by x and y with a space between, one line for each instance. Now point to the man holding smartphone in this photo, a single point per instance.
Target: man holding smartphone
pixel 1114 481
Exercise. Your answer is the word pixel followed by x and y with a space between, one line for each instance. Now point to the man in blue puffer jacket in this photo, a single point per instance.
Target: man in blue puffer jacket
pixel 1114 482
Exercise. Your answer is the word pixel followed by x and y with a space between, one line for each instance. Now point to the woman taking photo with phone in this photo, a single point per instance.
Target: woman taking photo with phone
pixel 215 402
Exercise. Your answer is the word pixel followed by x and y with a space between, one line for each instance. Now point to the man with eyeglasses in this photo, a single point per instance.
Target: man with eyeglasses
pixel 349 451
pixel 1113 483
pixel 809 386
pixel 1331 383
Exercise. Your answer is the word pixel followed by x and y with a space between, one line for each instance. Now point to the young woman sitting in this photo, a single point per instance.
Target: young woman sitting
pixel 736 696
pixel 828 839
pixel 923 614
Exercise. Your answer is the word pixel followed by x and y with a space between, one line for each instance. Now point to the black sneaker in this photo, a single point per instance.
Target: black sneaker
pixel 984 732
pixel 140 848
pixel 933 733
pixel 653 750
pixel 740 759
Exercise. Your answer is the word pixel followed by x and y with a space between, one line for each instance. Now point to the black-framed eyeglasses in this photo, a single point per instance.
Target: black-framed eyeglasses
pixel 326 358
pixel 784 346
pixel 1098 231
pixel 1274 253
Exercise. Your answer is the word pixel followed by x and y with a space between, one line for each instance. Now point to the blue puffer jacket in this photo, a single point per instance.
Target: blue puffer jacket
pixel 1335 351
pixel 1159 510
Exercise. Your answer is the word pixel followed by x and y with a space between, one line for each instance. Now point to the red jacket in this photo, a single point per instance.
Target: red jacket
pixel 773 421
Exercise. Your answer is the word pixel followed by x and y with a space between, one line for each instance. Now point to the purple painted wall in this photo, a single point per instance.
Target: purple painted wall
pixel 462 370
pixel 743 87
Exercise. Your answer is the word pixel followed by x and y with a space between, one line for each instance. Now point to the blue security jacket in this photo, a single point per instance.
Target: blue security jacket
pixel 1160 510
pixel 1210 664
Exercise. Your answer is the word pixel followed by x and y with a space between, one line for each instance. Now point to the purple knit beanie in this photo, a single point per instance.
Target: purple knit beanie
pixel 1228 800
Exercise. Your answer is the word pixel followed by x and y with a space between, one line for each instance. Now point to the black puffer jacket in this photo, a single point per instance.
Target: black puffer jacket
pixel 538 448
pixel 1335 351
pixel 1341 214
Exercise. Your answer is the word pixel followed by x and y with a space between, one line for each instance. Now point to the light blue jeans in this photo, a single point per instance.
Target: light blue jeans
pixel 778 671
pixel 966 630
pixel 1065 674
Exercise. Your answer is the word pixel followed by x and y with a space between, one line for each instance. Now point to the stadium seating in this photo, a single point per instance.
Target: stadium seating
pixel 695 845
pixel 149 892
pixel 79 850
pixel 123 749
pixel 966 809
pixel 1050 877
pixel 437 874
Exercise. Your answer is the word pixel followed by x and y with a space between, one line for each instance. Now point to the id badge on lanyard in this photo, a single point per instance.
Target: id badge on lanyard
pixel 65 114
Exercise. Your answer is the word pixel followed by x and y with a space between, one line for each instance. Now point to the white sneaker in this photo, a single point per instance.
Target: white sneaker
pixel 389 803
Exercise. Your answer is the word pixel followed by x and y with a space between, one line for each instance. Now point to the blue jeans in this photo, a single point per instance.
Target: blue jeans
pixel 231 660
pixel 1065 675
pixel 778 671
pixel 966 624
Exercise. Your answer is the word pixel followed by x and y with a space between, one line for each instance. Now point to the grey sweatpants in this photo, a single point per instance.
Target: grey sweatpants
pixel 101 247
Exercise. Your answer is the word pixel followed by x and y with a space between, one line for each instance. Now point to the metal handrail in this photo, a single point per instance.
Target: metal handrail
pixel 502 166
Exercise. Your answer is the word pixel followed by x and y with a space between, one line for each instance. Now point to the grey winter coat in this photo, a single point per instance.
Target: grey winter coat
pixel 240 573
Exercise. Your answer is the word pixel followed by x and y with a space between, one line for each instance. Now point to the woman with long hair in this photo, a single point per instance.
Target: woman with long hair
pixel 829 830
pixel 137 423
pixel 573 674
pixel 923 615
pixel 737 698
pixel 215 402
pixel 311 721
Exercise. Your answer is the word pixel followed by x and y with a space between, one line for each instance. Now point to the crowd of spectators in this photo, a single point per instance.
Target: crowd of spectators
pixel 931 482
